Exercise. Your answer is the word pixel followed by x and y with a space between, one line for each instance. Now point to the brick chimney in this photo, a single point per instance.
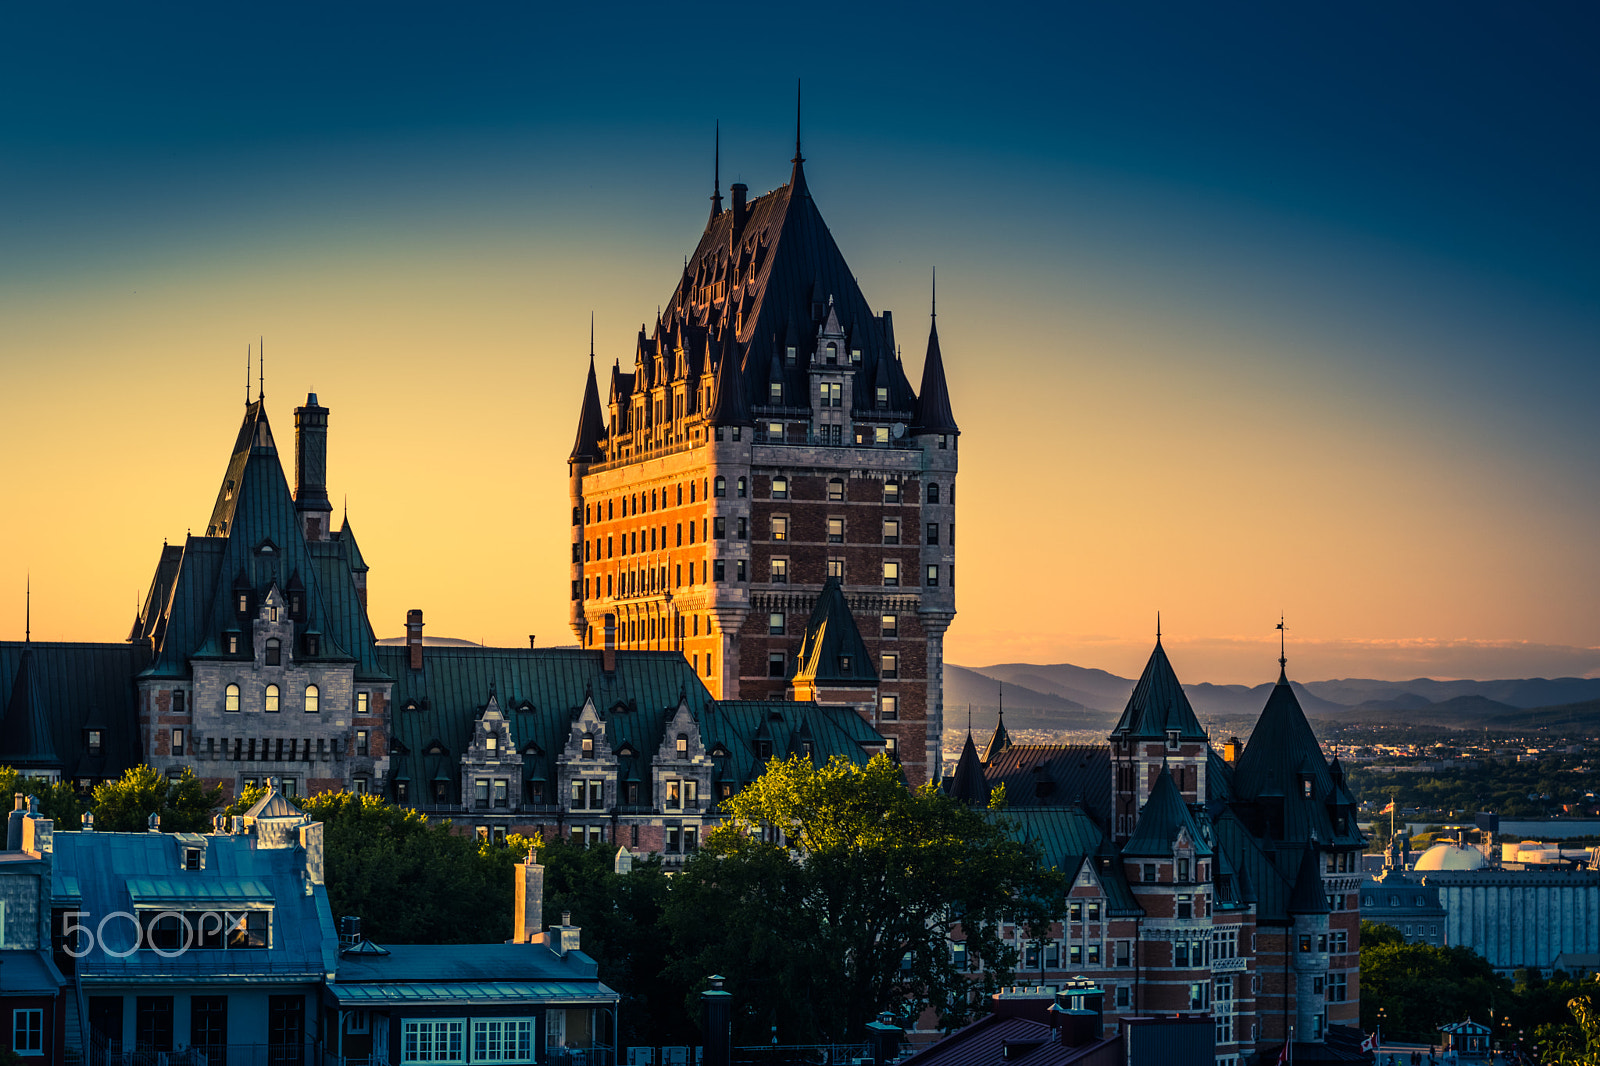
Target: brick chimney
pixel 311 469
pixel 609 656
pixel 528 909
pixel 414 639
pixel 741 210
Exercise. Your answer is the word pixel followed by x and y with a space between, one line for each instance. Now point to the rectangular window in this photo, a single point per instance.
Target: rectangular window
pixel 744 529
pixel 891 531
pixel 738 570
pixel 208 1024
pixel 889 667
pixel 891 708
pixel 775 664
pixel 1122 995
pixel 718 570
pixel 153 1023
pixel 933 575
pixel 502 792
pixel 1094 954
pixel 780 571
pixel 836 568
pixel 480 793
pixel 177 701
pixel 1094 912
pixel 177 742
pixel 719 528
pixel 27 1031
pixel 502 1040
pixel 674 796
pixel 1185 906
pixel 835 531
pixel 1075 955
pixel 597 795
pixel 363 703
pixel 433 1040
pixel 780 485
pixel 933 532
pixel 775 623
pixel 891 492
pixel 891 573
pixel 891 625
pixel 1124 953
pixel 1149 873
pixel 780 528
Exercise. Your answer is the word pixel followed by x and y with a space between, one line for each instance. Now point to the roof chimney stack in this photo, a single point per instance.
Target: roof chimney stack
pixel 741 210
pixel 414 638
pixel 311 469
pixel 528 905
pixel 716 1012
pixel 609 656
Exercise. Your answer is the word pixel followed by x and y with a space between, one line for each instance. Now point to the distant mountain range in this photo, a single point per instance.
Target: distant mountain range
pixel 1063 698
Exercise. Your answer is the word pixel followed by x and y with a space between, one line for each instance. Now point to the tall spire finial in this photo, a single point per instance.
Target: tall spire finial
pixel 1283 657
pixel 716 172
pixel 969 719
pixel 247 368
pixel 591 336
pixel 798 158
pixel 933 302
pixel 27 611
pixel 1158 627
pixel 261 370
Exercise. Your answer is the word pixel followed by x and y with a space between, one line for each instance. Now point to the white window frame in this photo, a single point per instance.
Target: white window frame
pixel 523 1034
pixel 411 1050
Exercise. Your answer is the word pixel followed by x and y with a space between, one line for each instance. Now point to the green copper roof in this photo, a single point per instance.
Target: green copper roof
pixel 1158 705
pixel 832 651
pixel 25 739
pixel 1164 814
pixel 72 688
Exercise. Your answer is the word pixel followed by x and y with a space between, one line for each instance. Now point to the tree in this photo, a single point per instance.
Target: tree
pixel 1419 987
pixel 125 805
pixel 853 912
pixel 57 800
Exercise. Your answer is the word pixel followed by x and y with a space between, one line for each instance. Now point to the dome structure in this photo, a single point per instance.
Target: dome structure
pixel 1451 857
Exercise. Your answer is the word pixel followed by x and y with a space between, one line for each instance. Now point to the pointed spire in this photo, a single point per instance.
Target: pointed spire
pixel 261 370
pixel 1283 657
pixel 716 174
pixel 27 611
pixel 591 422
pixel 797 178
pixel 1158 627
pixel 728 405
pixel 933 413
pixel 247 368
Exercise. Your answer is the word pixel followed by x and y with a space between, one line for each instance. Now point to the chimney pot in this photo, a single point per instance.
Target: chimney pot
pixel 530 640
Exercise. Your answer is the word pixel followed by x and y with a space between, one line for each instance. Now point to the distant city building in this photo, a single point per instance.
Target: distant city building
pixel 1206 883
pixel 1406 903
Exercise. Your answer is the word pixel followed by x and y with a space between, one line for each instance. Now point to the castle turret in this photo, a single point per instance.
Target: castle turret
pixel 311 469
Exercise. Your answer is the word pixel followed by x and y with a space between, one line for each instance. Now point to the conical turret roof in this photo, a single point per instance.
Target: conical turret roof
pixel 1164 814
pixel 933 399
pixel 1000 741
pixel 967 783
pixel 832 651
pixel 1158 704
pixel 591 422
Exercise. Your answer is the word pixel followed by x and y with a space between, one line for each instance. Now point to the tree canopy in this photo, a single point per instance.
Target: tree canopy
pixel 833 893
pixel 126 804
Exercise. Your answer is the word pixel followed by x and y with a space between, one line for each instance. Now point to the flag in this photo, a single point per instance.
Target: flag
pixel 1283 1056
pixel 1389 809
pixel 1370 1043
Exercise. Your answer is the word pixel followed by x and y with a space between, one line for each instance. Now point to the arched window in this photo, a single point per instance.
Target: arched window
pixel 933 492
pixel 274 652
pixel 271 702
pixel 313 699
pixel 720 486
pixel 230 699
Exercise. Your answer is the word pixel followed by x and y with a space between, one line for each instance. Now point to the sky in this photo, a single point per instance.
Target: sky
pixel 1246 308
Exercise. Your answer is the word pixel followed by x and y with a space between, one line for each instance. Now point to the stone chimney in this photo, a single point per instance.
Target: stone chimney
pixel 528 910
pixel 38 832
pixel 609 656
pixel 564 937
pixel 311 845
pixel 19 811
pixel 414 639
pixel 741 210
pixel 311 469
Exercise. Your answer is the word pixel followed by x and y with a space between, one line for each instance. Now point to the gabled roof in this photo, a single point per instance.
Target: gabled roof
pixel 832 651
pixel 25 740
pixel 933 399
pixel 1158 704
pixel 1163 816
pixel 591 423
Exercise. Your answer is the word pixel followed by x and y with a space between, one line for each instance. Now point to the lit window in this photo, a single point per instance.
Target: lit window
pixel 835 531
pixel 891 531
pixel 880 434
pixel 363 701
pixel 933 575
pixel 891 625
pixel 233 644
pixel 588 745
pixel 780 528
pixel 890 708
pixel 780 571
pixel 889 666
pixel 775 623
pixel 883 396
pixel 230 699
pixel 683 745
pixel 271 703
pixel 362 745
pixel 836 568
pixel 177 742
pixel 313 699
pixel 740 483
pixel 891 492
pixel 891 573
pixel 780 488
pixel 775 431
pixel 775 392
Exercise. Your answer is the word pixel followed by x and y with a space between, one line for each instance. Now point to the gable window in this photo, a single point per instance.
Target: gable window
pixel 683 745
pixel 271 701
pixel 313 699
pixel 588 745
pixel 274 652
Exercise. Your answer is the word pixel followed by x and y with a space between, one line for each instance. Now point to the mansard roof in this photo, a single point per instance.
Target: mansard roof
pixel 66 689
pixel 591 423
pixel 832 651
pixel 253 542
pixel 1054 775
pixel 541 690
pixel 1158 705
pixel 1164 814
pixel 933 399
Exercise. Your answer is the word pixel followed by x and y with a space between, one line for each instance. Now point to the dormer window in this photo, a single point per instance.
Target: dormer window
pixel 1305 785
pixel 588 745
pixel 274 652
pixel 491 744
pixel 313 644
pixel 233 643
pixel 94 741
pixel 844 664
pixel 831 353
pixel 1183 869
pixel 776 392
pixel 1172 740
pixel 192 858
pixel 243 606
pixel 683 745
pixel 788 355
pixel 297 605
pixel 883 396
pixel 763 749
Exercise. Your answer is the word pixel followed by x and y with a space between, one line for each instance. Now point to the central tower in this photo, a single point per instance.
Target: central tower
pixel 767 439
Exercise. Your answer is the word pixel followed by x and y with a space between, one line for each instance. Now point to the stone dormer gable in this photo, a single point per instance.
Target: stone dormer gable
pixel 831 332
pixel 681 726
pixel 1087 878
pixel 586 741
pixel 273 630
pixel 492 743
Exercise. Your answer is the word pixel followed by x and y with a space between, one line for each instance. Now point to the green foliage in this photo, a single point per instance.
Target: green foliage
pixel 1413 989
pixel 249 796
pixel 850 915
pixel 57 800
pixel 1375 933
pixel 125 805
pixel 1502 785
